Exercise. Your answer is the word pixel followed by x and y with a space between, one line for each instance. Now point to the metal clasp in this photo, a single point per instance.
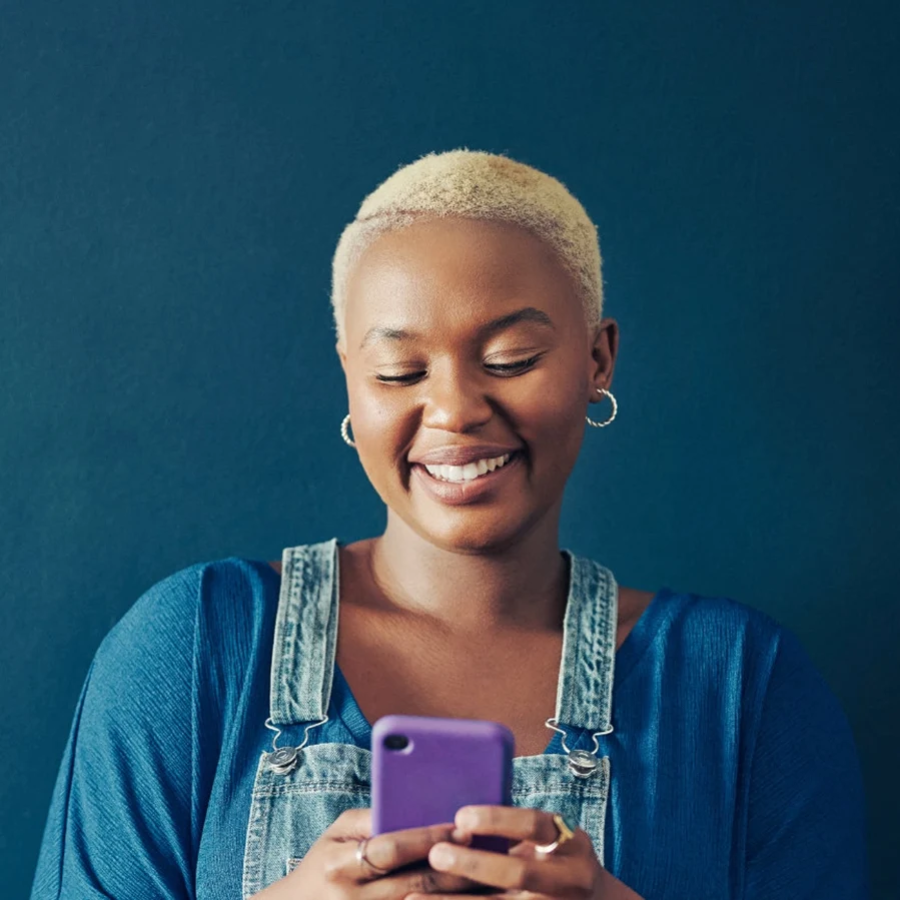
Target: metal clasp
pixel 283 760
pixel 582 763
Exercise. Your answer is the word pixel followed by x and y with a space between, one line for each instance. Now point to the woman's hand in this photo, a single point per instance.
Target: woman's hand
pixel 571 872
pixel 332 871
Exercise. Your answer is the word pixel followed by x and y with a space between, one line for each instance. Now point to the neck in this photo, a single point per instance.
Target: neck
pixel 524 584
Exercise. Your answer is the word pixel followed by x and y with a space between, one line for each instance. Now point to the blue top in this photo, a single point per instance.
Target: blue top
pixel 733 763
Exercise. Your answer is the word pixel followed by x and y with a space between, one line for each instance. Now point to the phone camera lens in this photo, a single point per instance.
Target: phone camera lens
pixel 396 742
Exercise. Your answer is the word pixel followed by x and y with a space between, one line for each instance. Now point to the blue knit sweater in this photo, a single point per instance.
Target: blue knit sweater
pixel 735 773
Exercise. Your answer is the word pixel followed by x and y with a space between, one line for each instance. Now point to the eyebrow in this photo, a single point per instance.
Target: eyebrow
pixel 526 314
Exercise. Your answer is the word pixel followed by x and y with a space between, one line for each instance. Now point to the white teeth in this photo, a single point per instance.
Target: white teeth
pixel 468 472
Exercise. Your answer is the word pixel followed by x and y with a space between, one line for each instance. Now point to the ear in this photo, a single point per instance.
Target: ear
pixel 342 356
pixel 603 353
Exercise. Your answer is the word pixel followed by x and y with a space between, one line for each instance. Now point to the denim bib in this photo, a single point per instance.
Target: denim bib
pixel 300 790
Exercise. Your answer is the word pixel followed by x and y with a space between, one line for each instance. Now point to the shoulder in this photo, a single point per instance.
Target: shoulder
pixel 672 614
pixel 160 710
pixel 212 615
pixel 694 645
pixel 736 650
pixel 705 624
pixel 172 608
pixel 772 727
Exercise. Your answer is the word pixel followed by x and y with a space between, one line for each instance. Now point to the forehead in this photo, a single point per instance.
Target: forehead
pixel 442 273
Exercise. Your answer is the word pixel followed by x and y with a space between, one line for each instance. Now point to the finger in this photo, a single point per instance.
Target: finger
pixel 578 845
pixel 515 895
pixel 422 881
pixel 395 849
pixel 517 823
pixel 556 877
pixel 354 823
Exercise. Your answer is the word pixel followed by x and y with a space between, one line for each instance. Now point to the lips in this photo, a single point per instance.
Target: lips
pixel 458 493
pixel 470 471
pixel 461 455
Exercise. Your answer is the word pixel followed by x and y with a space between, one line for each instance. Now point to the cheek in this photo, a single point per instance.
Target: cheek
pixel 554 404
pixel 556 424
pixel 371 414
pixel 382 426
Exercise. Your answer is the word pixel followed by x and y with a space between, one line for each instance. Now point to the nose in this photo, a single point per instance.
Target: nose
pixel 455 401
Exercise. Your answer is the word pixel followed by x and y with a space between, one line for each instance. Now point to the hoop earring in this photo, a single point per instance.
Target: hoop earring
pixel 345 425
pixel 615 409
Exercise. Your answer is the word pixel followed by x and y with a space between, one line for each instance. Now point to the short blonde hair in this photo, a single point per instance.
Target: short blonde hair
pixel 477 185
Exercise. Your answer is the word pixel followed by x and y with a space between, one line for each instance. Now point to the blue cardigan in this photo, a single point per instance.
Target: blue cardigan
pixel 733 763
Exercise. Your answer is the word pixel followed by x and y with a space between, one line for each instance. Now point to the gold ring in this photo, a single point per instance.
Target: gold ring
pixel 364 860
pixel 563 833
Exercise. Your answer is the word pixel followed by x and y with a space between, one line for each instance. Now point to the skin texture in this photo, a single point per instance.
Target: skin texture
pixel 457 609
pixel 442 279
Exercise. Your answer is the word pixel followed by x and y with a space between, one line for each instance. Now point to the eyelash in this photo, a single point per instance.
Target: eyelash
pixel 510 369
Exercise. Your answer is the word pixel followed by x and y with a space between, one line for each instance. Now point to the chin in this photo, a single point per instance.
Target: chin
pixel 471 533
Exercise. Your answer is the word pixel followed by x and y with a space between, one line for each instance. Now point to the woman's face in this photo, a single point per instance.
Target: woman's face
pixel 466 341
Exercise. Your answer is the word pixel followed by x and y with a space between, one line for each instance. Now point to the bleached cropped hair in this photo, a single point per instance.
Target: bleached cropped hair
pixel 477 185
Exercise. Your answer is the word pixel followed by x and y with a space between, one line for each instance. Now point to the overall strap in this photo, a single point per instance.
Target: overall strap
pixel 305 641
pixel 584 690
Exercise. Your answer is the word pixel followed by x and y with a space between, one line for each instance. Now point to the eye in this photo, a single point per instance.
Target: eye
pixel 513 368
pixel 400 379
pixel 505 370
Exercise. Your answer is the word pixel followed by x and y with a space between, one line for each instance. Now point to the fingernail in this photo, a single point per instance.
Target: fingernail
pixel 441 856
pixel 466 819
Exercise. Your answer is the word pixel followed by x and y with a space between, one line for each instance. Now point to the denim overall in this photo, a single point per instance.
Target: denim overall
pixel 300 790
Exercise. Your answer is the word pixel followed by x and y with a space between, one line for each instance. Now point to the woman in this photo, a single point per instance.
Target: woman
pixel 221 743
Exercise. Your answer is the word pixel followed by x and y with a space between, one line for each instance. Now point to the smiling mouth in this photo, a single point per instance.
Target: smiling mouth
pixel 469 472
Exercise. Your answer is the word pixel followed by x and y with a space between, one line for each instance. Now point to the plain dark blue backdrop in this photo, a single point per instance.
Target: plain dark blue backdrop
pixel 174 177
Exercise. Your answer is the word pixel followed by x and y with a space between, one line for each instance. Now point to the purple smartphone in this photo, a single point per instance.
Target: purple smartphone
pixel 424 769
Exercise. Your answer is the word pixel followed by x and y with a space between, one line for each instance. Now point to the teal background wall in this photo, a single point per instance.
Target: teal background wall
pixel 174 177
